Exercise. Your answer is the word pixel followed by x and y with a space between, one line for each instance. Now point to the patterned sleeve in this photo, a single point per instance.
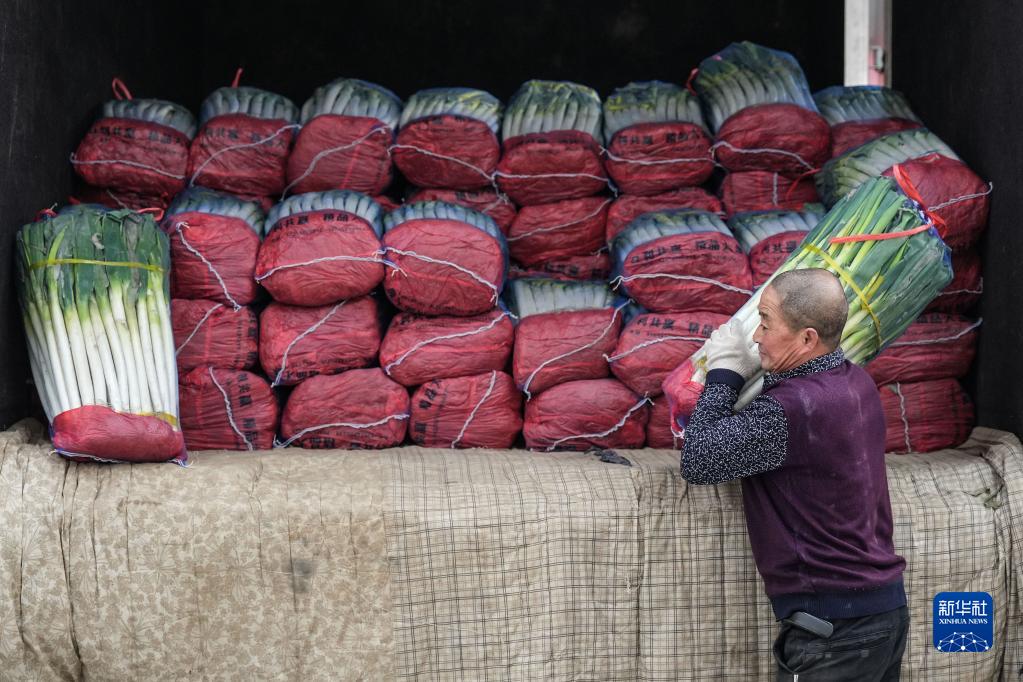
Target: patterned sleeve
pixel 721 445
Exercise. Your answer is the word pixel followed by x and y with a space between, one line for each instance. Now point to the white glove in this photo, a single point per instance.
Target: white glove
pixel 728 348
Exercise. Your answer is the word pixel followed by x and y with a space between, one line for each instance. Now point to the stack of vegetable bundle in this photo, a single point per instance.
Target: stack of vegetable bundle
pixel 482 410
pixel 94 296
pixel 347 128
pixel 489 201
pixel 768 237
pixel 926 415
pixel 861 113
pixel 628 207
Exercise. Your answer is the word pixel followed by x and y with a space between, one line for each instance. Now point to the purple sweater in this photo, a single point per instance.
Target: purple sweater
pixel 810 455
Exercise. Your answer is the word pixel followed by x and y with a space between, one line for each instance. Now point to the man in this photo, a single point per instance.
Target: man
pixel 810 455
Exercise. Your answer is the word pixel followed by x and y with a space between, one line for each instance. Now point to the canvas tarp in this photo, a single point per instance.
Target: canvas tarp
pixel 448 565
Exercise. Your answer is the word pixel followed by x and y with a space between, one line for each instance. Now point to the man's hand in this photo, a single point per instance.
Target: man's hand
pixel 728 348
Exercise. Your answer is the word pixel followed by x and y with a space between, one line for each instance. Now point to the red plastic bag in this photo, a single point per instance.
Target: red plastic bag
pixel 447 151
pixel 495 205
pixel 541 168
pixel 682 392
pixel 783 138
pixel 579 415
pixel 444 267
pixel 626 208
pixel 209 333
pixel 134 156
pixel 967 284
pixel 768 254
pixel 121 437
pixel 851 134
pixel 225 409
pixel 573 227
pixel 213 257
pixel 658 429
pixel 649 158
pixel 320 257
pixel 119 198
pixel 357 410
pixel 341 152
pixel 417 349
pixel 552 348
pixel 480 411
pixel 653 344
pixel 935 346
pixel 678 273
pixel 241 154
pixel 296 343
pixel 764 191
pixel 948 189
pixel 579 268
pixel 926 415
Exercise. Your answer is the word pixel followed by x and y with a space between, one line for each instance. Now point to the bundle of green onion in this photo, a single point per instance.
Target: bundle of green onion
pixel 203 200
pixel 153 110
pixel 650 102
pixel 752 227
pixel 546 106
pixel 537 295
pixel 888 282
pixel 345 200
pixel 467 102
pixel 249 101
pixel 353 97
pixel 94 295
pixel 442 210
pixel 842 103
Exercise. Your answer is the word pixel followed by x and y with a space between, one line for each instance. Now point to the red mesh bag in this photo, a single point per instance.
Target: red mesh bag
pixel 208 333
pixel 783 138
pixel 926 415
pixel 768 254
pixel 296 342
pixel 444 267
pixel 967 284
pixel 480 411
pixel 659 274
pixel 341 152
pixel 682 392
pixel 447 151
pixel 320 257
pixel 213 256
pixel 134 156
pixel 658 429
pixel 417 349
pixel 573 227
pixel 241 154
pixel 580 415
pixel 648 158
pixel 653 344
pixel 495 205
pixel 948 189
pixel 358 410
pixel 763 191
pixel 119 436
pixel 552 348
pixel 935 346
pixel 119 198
pixel 579 268
pixel 224 409
pixel 627 207
pixel 541 168
pixel 851 134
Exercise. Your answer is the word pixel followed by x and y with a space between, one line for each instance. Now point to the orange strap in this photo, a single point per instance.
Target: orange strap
pixel 121 90
pixel 155 210
pixel 788 192
pixel 237 77
pixel 692 77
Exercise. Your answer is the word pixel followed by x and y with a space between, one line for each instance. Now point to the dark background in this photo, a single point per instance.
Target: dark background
pixel 57 60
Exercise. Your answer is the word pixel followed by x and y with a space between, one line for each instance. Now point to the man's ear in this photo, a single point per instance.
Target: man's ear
pixel 810 337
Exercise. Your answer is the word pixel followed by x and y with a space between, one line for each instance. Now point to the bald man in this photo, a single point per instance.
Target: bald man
pixel 809 452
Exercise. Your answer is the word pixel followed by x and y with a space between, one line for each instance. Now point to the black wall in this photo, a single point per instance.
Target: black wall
pixel 959 68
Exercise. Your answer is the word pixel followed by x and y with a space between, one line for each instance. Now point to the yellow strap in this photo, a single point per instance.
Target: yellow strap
pixel 841 272
pixel 166 416
pixel 86 261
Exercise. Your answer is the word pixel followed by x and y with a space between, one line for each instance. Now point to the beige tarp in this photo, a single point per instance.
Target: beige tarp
pixel 437 565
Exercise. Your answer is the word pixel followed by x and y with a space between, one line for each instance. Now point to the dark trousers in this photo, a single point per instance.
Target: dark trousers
pixel 867 649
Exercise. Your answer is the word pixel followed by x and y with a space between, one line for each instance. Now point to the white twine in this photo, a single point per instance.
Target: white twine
pixel 444 157
pixel 314 261
pixel 651 342
pixel 774 190
pixel 905 421
pixel 602 434
pixel 181 235
pixel 236 147
pixel 621 279
pixel 659 162
pixel 332 150
pixel 964 291
pixel 591 344
pixel 230 414
pixel 472 415
pixel 553 228
pixel 310 330
pixel 965 197
pixel 925 342
pixel 456 266
pixel 421 344
pixel 196 329
pixel 118 199
pixel 125 162
pixel 346 425
pixel 764 150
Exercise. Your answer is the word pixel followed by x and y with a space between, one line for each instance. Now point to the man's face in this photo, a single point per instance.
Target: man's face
pixel 781 348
